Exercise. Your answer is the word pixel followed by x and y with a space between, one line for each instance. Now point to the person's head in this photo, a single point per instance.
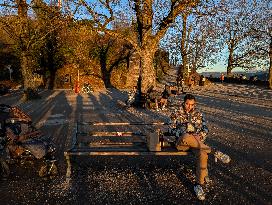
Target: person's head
pixel 189 102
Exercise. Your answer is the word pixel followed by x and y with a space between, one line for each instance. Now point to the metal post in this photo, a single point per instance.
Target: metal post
pixel 69 167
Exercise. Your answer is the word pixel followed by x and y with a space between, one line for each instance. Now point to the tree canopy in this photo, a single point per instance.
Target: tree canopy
pixel 195 33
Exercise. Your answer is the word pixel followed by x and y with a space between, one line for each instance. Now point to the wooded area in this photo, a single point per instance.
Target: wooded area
pixel 123 43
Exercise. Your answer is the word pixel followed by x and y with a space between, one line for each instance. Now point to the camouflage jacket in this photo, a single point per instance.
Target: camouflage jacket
pixel 192 122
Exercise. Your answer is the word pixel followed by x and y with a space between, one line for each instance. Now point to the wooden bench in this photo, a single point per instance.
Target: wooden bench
pixel 129 143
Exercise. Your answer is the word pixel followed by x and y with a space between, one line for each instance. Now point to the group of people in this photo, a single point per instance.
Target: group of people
pixel 159 99
pixel 191 82
pixel 153 98
pixel 181 82
pixel 188 125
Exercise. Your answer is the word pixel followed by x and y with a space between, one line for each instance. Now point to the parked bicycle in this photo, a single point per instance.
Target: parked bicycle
pixel 86 88
pixel 21 142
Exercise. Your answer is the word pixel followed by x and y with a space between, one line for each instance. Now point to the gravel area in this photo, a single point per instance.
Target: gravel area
pixel 240 121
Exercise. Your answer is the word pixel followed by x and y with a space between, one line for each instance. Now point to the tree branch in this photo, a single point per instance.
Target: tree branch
pixel 175 10
pixel 9 30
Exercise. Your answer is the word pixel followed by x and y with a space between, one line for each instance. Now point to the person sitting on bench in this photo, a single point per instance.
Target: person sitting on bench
pixel 153 97
pixel 189 126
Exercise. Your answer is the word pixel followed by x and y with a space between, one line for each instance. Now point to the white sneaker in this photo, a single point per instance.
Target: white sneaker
pixel 207 180
pixel 199 192
pixel 222 157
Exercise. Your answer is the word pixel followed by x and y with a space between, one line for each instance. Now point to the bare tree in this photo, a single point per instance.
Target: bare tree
pixel 97 54
pixel 192 39
pixel 111 53
pixel 149 21
pixel 261 37
pixel 235 20
pixel 29 24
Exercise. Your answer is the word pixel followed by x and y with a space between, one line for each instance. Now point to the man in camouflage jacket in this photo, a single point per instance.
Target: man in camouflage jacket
pixel 192 121
pixel 189 127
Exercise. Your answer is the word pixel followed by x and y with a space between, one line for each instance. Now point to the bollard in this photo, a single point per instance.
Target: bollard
pixel 77 87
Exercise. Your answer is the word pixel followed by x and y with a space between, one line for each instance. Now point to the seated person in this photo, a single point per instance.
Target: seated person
pixel 132 96
pixel 173 90
pixel 189 127
pixel 180 84
pixel 165 95
pixel 153 97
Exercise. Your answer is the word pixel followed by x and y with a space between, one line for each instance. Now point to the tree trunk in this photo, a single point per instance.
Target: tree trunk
pixel 22 8
pixel 147 71
pixel 26 59
pixel 26 65
pixel 106 74
pixel 184 68
pixel 230 60
pixel 52 79
pixel 270 66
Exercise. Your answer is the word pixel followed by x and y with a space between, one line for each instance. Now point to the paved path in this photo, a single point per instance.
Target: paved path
pixel 238 125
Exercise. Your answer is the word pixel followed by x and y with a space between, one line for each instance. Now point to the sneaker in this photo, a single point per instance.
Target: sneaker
pixel 222 157
pixel 207 180
pixel 199 192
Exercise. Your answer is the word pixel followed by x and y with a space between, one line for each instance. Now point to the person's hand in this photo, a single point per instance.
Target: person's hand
pixel 197 136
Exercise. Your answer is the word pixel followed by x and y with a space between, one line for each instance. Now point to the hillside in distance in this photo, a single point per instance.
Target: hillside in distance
pixel 261 75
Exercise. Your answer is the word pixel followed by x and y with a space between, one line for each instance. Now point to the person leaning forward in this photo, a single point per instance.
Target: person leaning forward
pixel 189 126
